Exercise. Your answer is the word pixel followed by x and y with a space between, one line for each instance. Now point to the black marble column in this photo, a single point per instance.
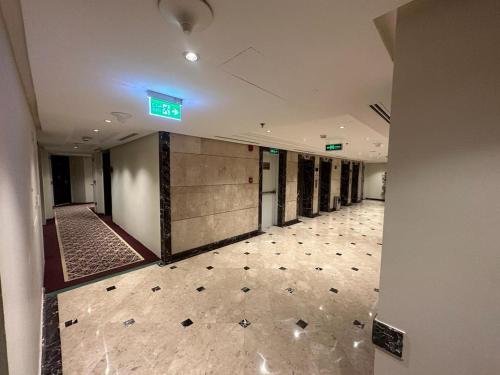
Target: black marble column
pixel 51 340
pixel 282 187
pixel 165 207
pixel 261 157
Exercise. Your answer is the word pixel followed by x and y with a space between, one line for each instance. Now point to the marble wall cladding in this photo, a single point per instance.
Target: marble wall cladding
pixel 192 201
pixel 292 166
pixel 212 197
pixel 316 186
pixel 335 180
pixel 198 231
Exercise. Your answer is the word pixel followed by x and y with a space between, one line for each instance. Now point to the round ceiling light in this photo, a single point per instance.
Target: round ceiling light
pixel 191 56
pixel 108 121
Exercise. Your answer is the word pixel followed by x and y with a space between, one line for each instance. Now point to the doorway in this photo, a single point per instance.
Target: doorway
pixel 306 186
pixel 344 183
pixel 61 179
pixel 106 182
pixel 355 183
pixel 270 173
pixel 325 174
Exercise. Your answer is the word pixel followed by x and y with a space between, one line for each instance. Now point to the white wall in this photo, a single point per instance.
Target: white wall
pixel 440 274
pixel 373 180
pixel 99 183
pixel 21 253
pixel 82 177
pixel 47 191
pixel 88 173
pixel 135 190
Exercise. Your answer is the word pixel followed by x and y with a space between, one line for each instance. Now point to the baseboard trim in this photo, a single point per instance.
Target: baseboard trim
pixel 209 247
pixel 375 199
pixel 315 215
pixel 290 222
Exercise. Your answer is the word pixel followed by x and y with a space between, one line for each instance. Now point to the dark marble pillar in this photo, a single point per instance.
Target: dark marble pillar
pixel 51 340
pixel 282 187
pixel 165 207
pixel 261 157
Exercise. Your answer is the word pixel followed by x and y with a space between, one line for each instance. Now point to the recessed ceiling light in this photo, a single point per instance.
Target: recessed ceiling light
pixel 96 130
pixel 341 127
pixel 268 131
pixel 191 56
pixel 75 147
pixel 108 121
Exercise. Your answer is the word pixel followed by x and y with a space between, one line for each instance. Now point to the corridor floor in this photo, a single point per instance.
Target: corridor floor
pixel 295 300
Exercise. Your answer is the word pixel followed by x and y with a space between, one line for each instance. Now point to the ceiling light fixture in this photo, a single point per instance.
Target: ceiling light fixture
pixel 341 127
pixel 96 130
pixel 108 121
pixel 75 147
pixel 191 56
pixel 268 131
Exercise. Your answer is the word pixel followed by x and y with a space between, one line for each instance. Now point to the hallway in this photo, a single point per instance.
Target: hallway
pixel 81 246
pixel 298 299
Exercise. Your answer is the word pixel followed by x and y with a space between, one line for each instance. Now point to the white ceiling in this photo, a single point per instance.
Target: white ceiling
pixel 303 67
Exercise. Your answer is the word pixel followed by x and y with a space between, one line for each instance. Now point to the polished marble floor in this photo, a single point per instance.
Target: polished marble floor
pixel 295 300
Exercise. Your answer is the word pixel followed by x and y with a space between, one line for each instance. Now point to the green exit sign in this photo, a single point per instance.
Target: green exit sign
pixel 334 147
pixel 274 151
pixel 165 106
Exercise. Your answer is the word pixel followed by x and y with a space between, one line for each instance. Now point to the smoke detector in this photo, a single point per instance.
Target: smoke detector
pixel 190 15
pixel 121 116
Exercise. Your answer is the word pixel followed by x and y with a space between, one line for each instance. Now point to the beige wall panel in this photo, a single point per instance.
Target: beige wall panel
pixel 290 210
pixel 193 201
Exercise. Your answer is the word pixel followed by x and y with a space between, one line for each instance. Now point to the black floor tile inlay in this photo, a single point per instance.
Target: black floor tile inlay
pixel 277 253
pixel 369 254
pixel 246 253
pixel 200 289
pixel 333 290
pixel 68 323
pixel 187 322
pixel 357 323
pixel 173 267
pixel 308 253
pixel 128 323
pixel 302 324
pixel 282 268
pixel 300 243
pixel 339 254
pixel 110 288
pixel 155 289
pixel 209 268
pixel 244 323
pixel 246 268
pixel 245 289
pixel 376 290
pixel 319 269
pixel 354 269
pixel 290 290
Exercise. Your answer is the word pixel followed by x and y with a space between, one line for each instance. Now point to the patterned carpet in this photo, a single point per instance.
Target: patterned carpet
pixel 88 246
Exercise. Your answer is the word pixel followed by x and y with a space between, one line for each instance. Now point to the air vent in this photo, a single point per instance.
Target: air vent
pixel 381 112
pixel 128 136
pixel 238 140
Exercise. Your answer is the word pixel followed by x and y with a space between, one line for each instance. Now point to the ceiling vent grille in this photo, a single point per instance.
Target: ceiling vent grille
pixel 379 110
pixel 237 139
pixel 128 136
